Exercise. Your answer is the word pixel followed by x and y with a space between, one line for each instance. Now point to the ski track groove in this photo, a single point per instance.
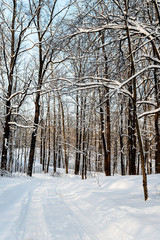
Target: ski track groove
pixel 69 224
pixel 57 208
pixel 40 204
pixel 34 225
pixel 83 225
pixel 17 205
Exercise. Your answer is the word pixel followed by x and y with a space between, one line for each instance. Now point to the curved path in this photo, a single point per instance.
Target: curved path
pixel 39 209
pixel 67 208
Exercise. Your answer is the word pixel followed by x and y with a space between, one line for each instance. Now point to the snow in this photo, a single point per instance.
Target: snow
pixel 64 207
pixel 149 112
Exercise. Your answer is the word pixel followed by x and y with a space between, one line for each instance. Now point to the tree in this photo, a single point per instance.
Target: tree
pixel 47 47
pixel 14 28
pixel 125 30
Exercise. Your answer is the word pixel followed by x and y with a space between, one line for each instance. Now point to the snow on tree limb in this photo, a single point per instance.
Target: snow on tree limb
pixel 19 125
pixel 139 73
pixel 148 113
pixel 147 102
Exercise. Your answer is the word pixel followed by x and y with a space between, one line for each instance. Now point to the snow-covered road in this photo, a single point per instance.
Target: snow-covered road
pixel 37 209
pixel 67 208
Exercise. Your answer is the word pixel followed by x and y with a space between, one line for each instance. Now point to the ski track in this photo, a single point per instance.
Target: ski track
pixel 39 212
pixel 57 208
pixel 16 205
pixel 65 224
pixel 85 228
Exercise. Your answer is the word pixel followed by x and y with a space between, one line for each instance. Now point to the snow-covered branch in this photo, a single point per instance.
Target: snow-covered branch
pixel 149 113
pixel 146 102
pixel 19 125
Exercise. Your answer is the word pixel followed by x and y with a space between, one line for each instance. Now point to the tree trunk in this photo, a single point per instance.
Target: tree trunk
pixel 132 105
pixel 49 135
pixel 6 133
pixel 64 133
pixel 121 141
pixel 157 117
pixel 34 135
pixel 54 137
pixel 107 153
pixel 106 167
pixel 145 189
pixel 77 162
pixel 64 138
pixel 134 99
pixel 84 141
pixel 131 138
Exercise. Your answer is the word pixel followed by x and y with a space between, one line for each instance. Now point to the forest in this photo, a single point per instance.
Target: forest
pixel 80 86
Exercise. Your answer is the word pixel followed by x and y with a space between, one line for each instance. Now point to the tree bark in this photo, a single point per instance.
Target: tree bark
pixel 54 137
pixel 134 99
pixel 157 117
pixel 77 160
pixel 6 133
pixel 34 135
pixel 107 152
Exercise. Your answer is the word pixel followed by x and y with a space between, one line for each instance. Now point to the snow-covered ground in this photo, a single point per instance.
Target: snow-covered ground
pixel 66 208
